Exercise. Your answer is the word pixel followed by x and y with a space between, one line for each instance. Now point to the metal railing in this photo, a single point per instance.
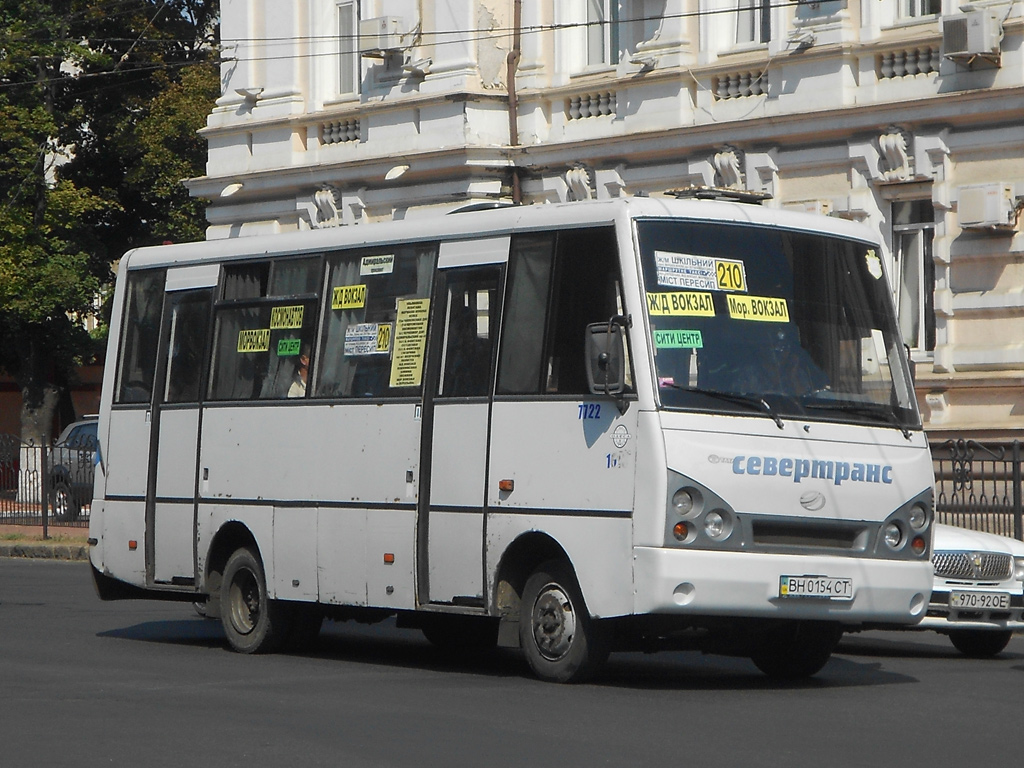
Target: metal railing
pixel 978 486
pixel 45 484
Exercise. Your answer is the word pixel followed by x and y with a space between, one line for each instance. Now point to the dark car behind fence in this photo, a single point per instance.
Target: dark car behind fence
pixel 46 484
pixel 978 485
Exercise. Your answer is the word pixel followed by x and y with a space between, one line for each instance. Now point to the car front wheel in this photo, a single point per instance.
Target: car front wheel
pixel 980 643
pixel 64 506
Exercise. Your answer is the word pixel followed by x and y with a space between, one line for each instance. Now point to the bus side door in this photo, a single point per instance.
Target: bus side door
pixel 561 460
pixel 171 492
pixel 456 415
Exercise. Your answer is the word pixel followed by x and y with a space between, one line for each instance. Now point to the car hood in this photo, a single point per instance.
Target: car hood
pixel 949 538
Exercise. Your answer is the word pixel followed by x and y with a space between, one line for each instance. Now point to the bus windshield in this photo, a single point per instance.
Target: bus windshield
pixel 747 318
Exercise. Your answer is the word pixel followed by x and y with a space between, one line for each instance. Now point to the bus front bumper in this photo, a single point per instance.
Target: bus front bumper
pixel 747 585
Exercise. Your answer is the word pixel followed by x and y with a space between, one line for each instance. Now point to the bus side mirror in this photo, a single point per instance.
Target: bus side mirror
pixel 606 354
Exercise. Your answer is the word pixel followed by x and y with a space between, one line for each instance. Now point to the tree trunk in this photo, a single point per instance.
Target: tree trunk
pixel 39 398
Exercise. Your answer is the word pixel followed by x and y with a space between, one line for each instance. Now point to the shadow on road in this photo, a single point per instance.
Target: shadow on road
pixel 907 645
pixel 385 645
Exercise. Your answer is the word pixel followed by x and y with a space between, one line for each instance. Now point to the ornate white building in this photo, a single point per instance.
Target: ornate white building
pixel 906 115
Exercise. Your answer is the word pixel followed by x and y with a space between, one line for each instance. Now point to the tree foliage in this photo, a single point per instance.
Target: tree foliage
pixel 100 101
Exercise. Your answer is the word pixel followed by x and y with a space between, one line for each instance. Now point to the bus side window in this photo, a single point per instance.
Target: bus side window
pixel 375 311
pixel 471 319
pixel 558 286
pixel 186 355
pixel 264 328
pixel 140 336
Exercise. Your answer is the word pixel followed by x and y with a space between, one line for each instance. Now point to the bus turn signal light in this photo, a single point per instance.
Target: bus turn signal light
pixel 506 485
pixel 681 531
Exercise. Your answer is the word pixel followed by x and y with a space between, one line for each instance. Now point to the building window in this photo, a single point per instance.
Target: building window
pixel 348 48
pixel 913 9
pixel 753 21
pixel 913 230
pixel 608 30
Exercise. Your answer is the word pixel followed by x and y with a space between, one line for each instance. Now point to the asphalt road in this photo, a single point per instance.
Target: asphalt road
pixel 85 683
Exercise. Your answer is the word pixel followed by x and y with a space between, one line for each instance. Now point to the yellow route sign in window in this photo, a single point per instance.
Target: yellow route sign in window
pixel 257 340
pixel 348 297
pixel 682 303
pixel 286 317
pixel 767 309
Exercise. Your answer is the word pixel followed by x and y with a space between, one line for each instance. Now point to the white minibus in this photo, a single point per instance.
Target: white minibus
pixel 571 428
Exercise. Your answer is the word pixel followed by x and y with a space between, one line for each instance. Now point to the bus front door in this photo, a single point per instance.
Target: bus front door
pixel 171 492
pixel 456 416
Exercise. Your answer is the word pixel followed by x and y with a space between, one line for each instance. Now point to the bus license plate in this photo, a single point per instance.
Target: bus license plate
pixel 979 600
pixel 827 587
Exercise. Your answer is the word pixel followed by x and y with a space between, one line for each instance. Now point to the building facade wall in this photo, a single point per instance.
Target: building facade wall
pixel 851 109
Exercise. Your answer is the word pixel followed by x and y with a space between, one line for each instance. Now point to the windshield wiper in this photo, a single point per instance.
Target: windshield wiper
pixel 864 409
pixel 751 401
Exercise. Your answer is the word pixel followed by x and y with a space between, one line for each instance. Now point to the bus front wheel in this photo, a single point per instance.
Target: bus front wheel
pixel 253 623
pixel 560 640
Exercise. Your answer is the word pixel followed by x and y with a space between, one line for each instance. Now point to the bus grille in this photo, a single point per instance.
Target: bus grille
pixel 986 566
pixel 808 535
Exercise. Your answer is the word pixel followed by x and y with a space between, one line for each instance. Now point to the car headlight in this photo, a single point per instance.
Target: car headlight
pixel 1018 568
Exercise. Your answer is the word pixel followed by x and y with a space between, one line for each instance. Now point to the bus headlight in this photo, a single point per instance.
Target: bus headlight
pixel 918 517
pixel 717 525
pixel 892 535
pixel 682 502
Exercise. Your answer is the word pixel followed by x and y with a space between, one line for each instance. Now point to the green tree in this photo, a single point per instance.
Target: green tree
pixel 99 104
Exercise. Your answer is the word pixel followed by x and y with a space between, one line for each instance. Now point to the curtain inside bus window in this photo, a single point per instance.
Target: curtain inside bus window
pixel 241 343
pixel 375 322
pixel 144 303
pixel 522 348
pixel 246 281
pixel 294 277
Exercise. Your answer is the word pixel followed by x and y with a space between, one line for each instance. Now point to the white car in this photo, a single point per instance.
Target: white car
pixel 978 594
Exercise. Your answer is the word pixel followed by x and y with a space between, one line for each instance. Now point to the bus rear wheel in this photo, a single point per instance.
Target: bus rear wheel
pixel 796 650
pixel 560 640
pixel 253 623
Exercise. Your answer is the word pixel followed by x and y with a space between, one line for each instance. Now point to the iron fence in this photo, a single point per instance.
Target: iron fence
pixel 46 484
pixel 978 485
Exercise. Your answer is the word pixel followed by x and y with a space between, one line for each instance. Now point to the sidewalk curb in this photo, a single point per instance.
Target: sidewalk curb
pixel 76 552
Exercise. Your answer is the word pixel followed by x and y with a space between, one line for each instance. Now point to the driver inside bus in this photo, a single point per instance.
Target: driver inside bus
pixel 788 367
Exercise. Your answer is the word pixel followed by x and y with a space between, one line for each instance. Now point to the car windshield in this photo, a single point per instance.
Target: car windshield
pixel 749 318
pixel 79 436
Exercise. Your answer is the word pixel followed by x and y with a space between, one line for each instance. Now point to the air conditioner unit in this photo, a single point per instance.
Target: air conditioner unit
pixel 972 38
pixel 987 206
pixel 380 36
